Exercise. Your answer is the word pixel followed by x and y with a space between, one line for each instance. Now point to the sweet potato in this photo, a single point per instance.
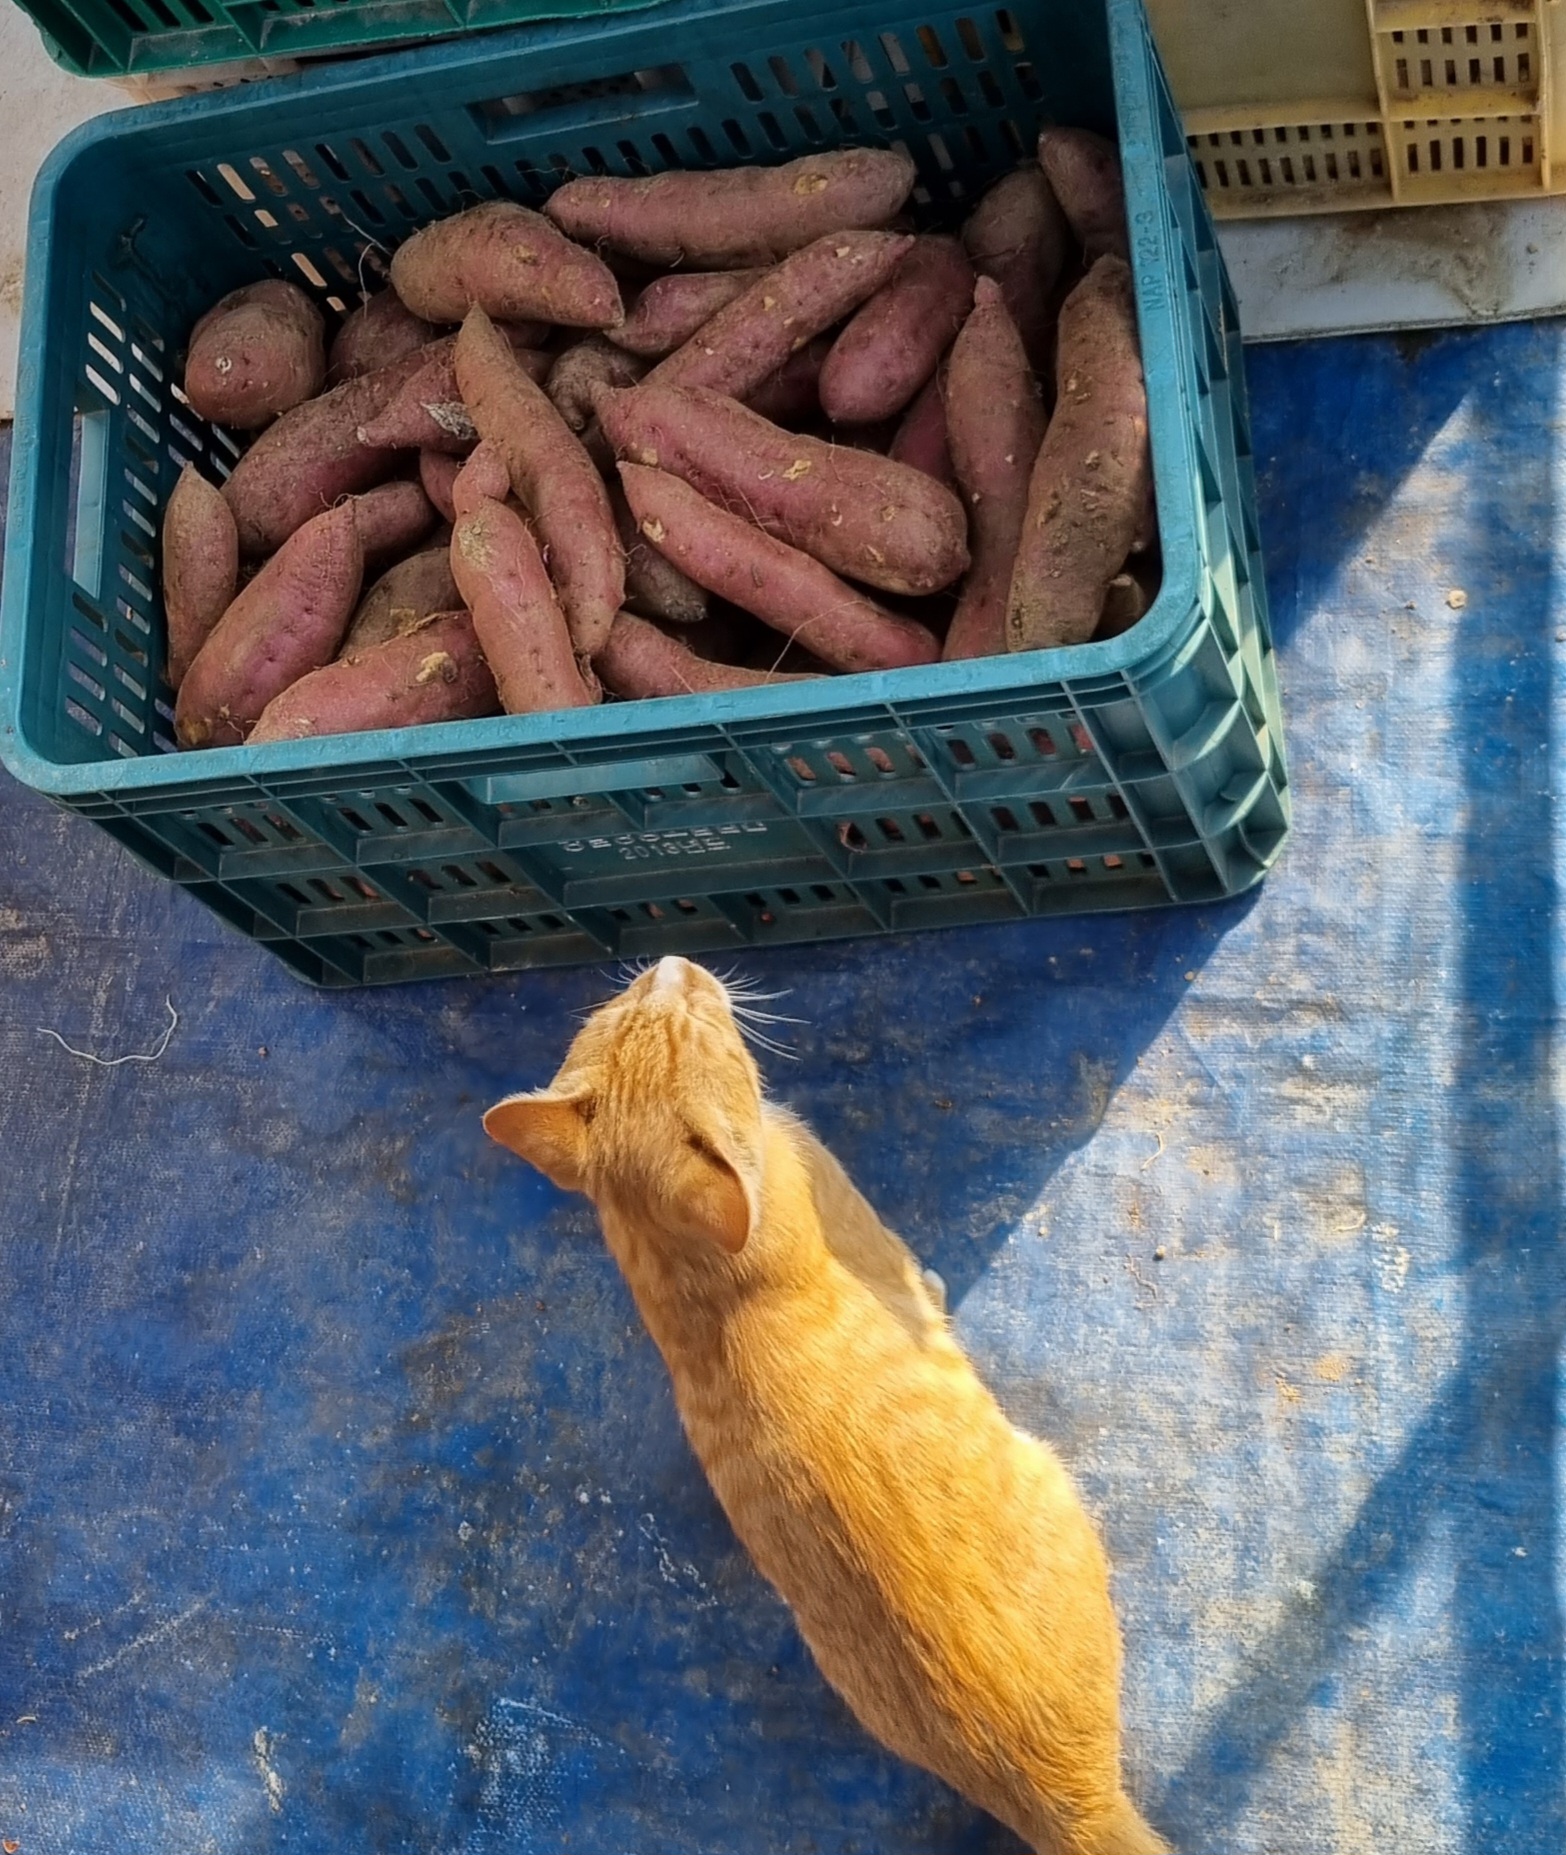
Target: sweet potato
pixel 508 261
pixel 434 671
pixel 892 345
pixel 392 520
pixel 858 513
pixel 483 478
pixel 791 394
pixel 1083 170
pixel 523 632
pixel 921 440
pixel 255 354
pixel 788 306
pixel 1018 235
pixel 553 476
pixel 779 585
pixel 428 414
pixel 1090 484
pixel 437 474
pixel 377 333
pixel 404 596
pixel 581 370
pixel 655 587
pixel 1125 604
pixel 288 621
pixel 671 309
pixel 639 661
pixel 200 567
pixel 996 421
pixel 735 217
pixel 311 457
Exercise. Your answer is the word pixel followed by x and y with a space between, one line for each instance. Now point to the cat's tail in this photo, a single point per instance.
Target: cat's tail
pixel 1128 1833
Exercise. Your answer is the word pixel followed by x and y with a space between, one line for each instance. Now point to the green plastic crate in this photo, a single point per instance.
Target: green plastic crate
pixel 1141 770
pixel 118 38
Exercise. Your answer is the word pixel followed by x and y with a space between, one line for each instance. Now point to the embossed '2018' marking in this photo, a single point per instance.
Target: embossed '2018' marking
pixel 700 840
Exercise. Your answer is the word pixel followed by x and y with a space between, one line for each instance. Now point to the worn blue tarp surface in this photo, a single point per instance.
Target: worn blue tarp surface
pixel 342 1506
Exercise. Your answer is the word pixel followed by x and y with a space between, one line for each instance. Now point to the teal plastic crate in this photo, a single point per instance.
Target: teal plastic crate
pixel 118 38
pixel 1146 769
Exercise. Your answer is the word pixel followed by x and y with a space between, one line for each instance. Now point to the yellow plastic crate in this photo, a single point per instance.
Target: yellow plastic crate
pixel 1336 105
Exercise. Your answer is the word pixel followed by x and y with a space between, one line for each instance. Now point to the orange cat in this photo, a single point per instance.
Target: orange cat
pixel 939 1562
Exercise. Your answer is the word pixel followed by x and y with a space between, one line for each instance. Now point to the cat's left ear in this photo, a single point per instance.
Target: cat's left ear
pixel 717 1197
pixel 548 1130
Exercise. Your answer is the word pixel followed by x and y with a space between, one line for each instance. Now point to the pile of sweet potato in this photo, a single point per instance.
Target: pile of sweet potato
pixel 687 433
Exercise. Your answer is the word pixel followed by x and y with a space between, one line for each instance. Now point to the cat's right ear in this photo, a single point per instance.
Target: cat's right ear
pixel 549 1131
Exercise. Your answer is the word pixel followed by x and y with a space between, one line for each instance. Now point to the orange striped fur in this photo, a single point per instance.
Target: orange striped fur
pixel 939 1563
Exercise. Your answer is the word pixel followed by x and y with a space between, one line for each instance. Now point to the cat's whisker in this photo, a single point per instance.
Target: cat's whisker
pixel 765 1017
pixel 764 1042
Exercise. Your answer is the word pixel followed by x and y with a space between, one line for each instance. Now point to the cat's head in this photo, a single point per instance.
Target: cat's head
pixel 656 1110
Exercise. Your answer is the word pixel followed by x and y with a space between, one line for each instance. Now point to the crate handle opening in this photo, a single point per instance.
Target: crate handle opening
pixel 89 488
pixel 595 100
pixel 575 782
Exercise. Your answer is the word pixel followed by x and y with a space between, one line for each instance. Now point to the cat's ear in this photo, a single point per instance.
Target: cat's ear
pixel 548 1130
pixel 715 1201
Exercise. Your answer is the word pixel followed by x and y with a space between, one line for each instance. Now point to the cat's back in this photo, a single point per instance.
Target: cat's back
pixel 939 1562
pixel 894 1444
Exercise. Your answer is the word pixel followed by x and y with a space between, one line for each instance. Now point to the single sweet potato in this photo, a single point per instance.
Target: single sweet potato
pixel 288 621
pixel 791 394
pixel 428 414
pixel 639 661
pixel 523 632
pixel 374 335
pixel 483 478
pixel 508 261
pixel 437 474
pixel 997 422
pixel 200 567
pixel 1083 170
pixel 892 345
pixel 735 217
pixel 553 476
pixel 671 309
pixel 1089 488
pixel 921 440
pixel 404 596
pixel 1125 604
pixel 581 370
pixel 782 587
pixel 254 355
pixel 655 587
pixel 392 520
pixel 1018 235
pixel 311 457
pixel 858 513
pixel 434 671
pixel 788 306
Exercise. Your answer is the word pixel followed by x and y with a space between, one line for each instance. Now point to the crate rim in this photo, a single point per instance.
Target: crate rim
pixel 1148 642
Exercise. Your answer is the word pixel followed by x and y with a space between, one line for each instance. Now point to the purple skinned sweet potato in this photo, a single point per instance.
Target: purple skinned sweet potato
pixel 996 421
pixel 288 621
pixel 200 567
pixel 781 586
pixel 433 671
pixel 895 341
pixel 508 261
pixel 734 217
pixel 789 305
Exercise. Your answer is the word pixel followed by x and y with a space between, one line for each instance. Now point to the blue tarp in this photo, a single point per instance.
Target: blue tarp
pixel 342 1504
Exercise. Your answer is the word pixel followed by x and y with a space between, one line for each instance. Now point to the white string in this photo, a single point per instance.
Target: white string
pixel 135 1056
